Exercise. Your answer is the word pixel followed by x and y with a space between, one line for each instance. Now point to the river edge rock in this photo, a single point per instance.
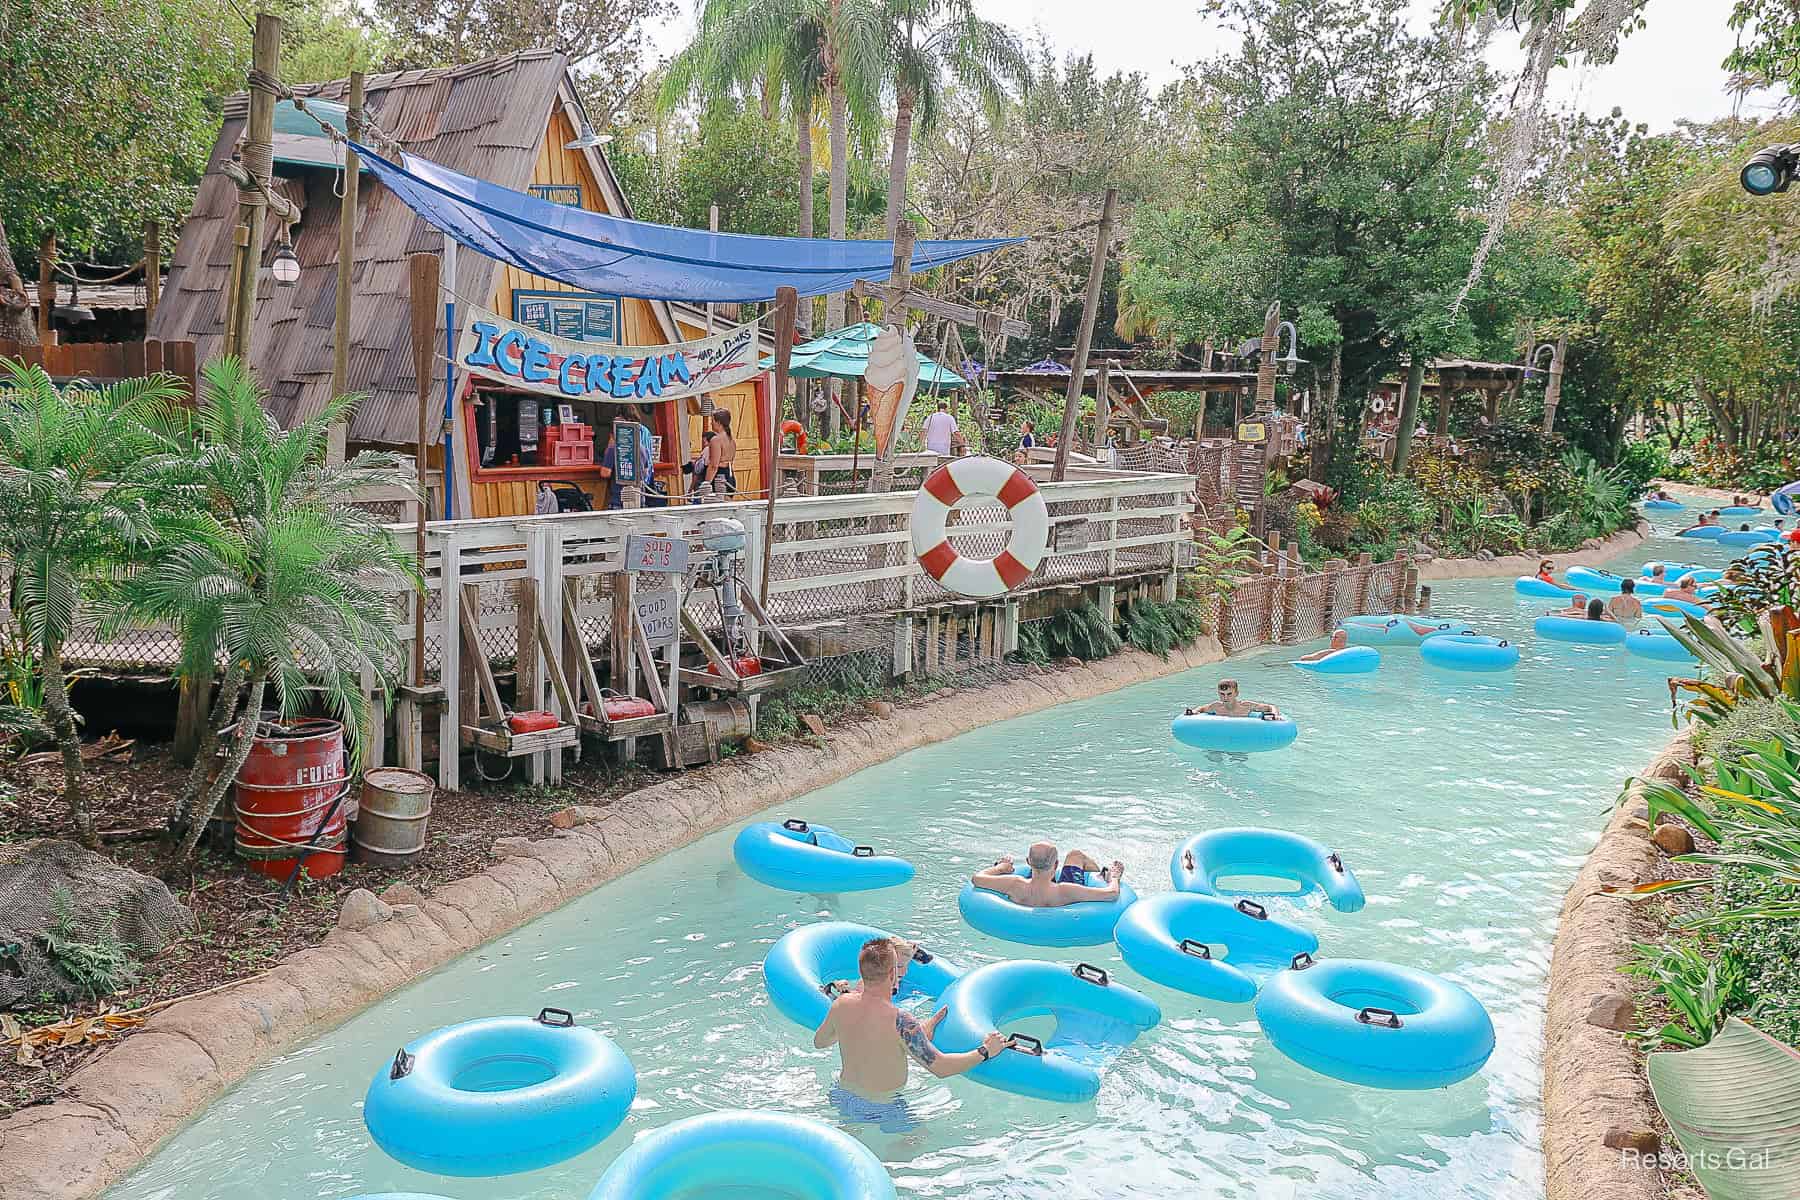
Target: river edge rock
pixel 1598 1111
pixel 117 1109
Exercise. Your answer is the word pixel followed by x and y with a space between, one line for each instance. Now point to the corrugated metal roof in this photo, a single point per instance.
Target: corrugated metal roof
pixel 485 118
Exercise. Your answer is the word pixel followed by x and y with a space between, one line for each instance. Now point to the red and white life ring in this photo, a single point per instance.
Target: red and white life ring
pixel 980 479
pixel 799 432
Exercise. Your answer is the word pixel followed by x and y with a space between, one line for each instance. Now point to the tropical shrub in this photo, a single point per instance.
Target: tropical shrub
pixel 79 479
pixel 1159 628
pixel 269 567
pixel 1081 631
pixel 1640 462
pixel 1700 991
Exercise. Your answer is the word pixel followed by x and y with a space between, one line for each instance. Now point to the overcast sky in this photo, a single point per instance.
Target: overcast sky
pixel 1665 72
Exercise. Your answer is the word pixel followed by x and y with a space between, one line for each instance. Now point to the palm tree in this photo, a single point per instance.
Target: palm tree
pixel 77 505
pixel 272 567
pixel 833 50
pixel 929 43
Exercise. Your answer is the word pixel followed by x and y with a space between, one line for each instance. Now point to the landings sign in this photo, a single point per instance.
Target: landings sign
pixel 492 346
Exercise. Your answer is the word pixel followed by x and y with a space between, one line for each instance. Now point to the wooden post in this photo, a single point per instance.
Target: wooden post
pixel 152 269
pixel 234 284
pixel 46 287
pixel 1553 390
pixel 340 345
pixel 259 137
pixel 424 277
pixel 1102 410
pixel 787 303
pixel 1270 346
pixel 1090 305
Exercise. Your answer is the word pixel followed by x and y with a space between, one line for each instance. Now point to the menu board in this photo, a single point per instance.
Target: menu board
pixel 573 316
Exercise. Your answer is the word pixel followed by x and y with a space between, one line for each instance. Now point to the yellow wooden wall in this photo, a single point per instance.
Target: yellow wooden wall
pixel 637 319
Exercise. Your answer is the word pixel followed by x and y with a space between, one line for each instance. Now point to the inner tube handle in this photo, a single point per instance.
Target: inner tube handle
pixel 1337 864
pixel 1301 961
pixel 862 852
pixel 1504 642
pixel 1187 860
pixel 1088 973
pixel 545 1016
pixel 1024 1043
pixel 794 824
pixel 830 988
pixel 1382 1018
pixel 403 1065
pixel 1196 949
pixel 921 955
pixel 1251 908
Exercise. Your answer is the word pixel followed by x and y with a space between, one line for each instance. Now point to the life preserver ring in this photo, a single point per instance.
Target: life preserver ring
pixel 799 432
pixel 980 478
pixel 1377 404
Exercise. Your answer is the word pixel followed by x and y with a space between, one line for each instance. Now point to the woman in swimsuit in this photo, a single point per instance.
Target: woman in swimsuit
pixel 721 452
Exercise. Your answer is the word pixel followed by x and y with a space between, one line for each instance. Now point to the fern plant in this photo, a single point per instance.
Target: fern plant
pixel 1082 632
pixel 1158 628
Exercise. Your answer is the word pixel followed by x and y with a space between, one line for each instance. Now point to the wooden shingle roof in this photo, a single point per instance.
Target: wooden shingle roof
pixel 484 119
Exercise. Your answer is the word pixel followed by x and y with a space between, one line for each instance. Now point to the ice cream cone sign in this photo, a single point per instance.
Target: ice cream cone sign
pixel 891 378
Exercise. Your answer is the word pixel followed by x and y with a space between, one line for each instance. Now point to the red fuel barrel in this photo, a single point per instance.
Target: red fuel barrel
pixel 285 795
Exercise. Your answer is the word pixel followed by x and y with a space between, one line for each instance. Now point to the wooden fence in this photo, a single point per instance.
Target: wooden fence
pixel 1287 604
pixel 103 362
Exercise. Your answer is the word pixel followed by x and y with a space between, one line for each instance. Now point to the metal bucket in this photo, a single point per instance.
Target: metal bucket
pixel 729 720
pixel 395 816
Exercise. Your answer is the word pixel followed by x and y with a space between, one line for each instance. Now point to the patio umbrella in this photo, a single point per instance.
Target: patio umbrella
pixel 844 353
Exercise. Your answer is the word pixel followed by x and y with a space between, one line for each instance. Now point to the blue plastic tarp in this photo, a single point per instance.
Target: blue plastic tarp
pixel 617 256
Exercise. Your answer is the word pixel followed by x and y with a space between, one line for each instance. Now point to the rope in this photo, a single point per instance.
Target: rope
pixel 67 273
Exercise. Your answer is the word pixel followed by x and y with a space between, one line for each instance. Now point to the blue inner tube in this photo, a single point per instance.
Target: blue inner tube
pixel 1747 537
pixel 1673 571
pixel 1741 510
pixel 1207 946
pixel 1531 585
pixel 1579 629
pixel 1240 735
pixel 798 856
pixel 1470 652
pixel 1394 629
pixel 1087 923
pixel 1376 1024
pixel 1587 579
pixel 499 1095
pixel 1201 862
pixel 1092 1013
pixel 770 1155
pixel 798 967
pixel 1351 660
pixel 1650 643
pixel 1664 607
pixel 1664 505
pixel 1709 532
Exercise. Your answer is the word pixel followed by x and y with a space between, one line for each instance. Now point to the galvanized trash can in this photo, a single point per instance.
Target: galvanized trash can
pixel 395 816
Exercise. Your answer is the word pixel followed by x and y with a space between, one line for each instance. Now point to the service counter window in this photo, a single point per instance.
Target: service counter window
pixel 525 430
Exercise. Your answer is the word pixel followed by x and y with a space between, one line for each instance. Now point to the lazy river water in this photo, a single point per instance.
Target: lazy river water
pixel 1464 803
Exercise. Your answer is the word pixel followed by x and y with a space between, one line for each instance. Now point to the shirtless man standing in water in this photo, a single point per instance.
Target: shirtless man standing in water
pixel 874 1036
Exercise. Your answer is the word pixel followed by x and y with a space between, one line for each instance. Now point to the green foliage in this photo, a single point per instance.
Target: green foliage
pixel 1185 411
pixel 1757 583
pixel 1642 461
pixel 1751 720
pixel 1220 561
pixel 100 966
pixel 1159 628
pixel 732 158
pixel 1341 181
pixel 108 112
pixel 1768 43
pixel 1767 951
pixel 1081 631
pixel 1700 992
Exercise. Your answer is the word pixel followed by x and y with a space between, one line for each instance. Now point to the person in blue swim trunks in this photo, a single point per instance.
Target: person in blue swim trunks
pixel 1049 886
pixel 874 1037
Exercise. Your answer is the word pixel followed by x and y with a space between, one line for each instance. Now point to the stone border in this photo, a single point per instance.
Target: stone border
pixel 117 1109
pixel 1597 1104
pixel 1609 547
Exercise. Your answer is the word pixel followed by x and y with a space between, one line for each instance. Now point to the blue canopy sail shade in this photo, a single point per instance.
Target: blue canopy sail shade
pixel 636 258
pixel 844 354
